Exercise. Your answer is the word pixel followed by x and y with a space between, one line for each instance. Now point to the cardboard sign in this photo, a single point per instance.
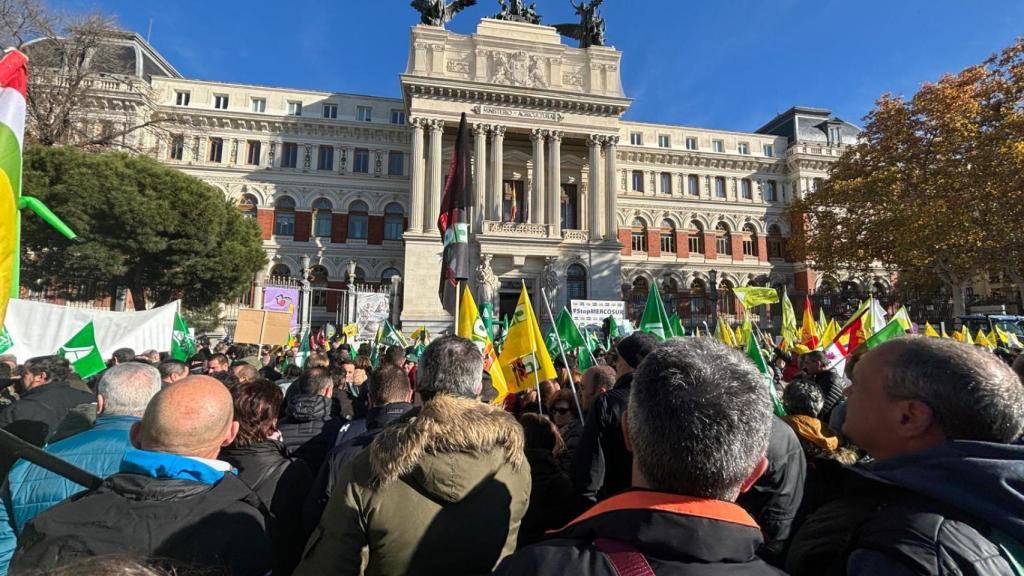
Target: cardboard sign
pixel 263 327
pixel 591 313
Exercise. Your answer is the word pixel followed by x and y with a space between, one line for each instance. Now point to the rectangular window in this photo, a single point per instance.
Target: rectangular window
pixel 636 138
pixel 718 145
pixel 639 241
pixel 769 150
pixel 259 105
pixel 289 155
pixel 330 111
pixel 748 246
pixel 722 244
pixel 746 188
pixel 295 108
pixel 834 137
pixel 364 113
pixel 638 181
pixel 693 184
pixel 664 141
pixel 182 97
pixel 743 148
pixel 691 143
pixel 253 148
pixel 361 161
pixel 325 158
pixel 398 116
pixel 666 183
pixel 770 193
pixel 396 163
pixel 694 242
pixel 178 148
pixel 719 187
pixel 220 102
pixel 668 242
pixel 216 149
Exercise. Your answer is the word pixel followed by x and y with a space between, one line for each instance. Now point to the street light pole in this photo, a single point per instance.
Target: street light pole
pixel 350 293
pixel 306 296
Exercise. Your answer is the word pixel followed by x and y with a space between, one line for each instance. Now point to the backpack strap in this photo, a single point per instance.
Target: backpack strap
pixel 625 558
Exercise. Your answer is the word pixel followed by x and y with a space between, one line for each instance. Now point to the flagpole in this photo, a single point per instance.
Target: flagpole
pixel 458 304
pixel 561 350
pixel 706 329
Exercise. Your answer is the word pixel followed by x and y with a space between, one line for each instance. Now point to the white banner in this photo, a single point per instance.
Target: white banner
pixel 591 313
pixel 40 329
pixel 372 309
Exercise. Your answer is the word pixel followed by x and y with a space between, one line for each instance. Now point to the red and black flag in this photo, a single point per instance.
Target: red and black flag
pixel 453 223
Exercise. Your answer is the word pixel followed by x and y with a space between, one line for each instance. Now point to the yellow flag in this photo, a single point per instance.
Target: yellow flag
pixel 739 334
pixel 981 338
pixel 724 334
pixel 944 335
pixel 472 328
pixel 524 360
pixel 929 331
pixel 965 335
pixel 903 318
pixel 829 334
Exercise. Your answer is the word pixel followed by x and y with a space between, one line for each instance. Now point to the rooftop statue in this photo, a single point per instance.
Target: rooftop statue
pixel 439 12
pixel 518 11
pixel 590 30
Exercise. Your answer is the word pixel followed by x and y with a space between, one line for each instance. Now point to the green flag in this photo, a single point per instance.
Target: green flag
pixel 391 337
pixel 303 353
pixel 487 317
pixel 655 321
pixel 891 330
pixel 789 332
pixel 754 353
pixel 677 325
pixel 613 332
pixel 568 331
pixel 82 352
pixel 751 296
pixel 5 340
pixel 551 343
pixel 182 346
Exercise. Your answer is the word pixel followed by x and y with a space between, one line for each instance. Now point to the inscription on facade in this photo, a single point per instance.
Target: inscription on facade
pixel 516 113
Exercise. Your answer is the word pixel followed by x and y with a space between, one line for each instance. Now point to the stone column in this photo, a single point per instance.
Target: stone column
pixel 417 177
pixel 539 174
pixel 436 174
pixel 479 175
pixel 497 170
pixel 611 195
pixel 595 220
pixel 555 186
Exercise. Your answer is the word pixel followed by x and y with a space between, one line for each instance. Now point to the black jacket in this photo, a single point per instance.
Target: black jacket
pixel 37 415
pixel 602 465
pixel 679 536
pixel 347 448
pixel 939 511
pixel 571 434
pixel 775 498
pixel 216 526
pixel 831 384
pixel 282 484
pixel 308 428
pixel 553 500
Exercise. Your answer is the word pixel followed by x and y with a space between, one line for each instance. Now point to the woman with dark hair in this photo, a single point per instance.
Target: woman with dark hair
pixel 258 454
pixel 553 500
pixel 563 412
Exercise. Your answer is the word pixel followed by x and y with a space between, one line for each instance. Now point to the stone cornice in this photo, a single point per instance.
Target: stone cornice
pixel 690 159
pixel 433 89
pixel 276 126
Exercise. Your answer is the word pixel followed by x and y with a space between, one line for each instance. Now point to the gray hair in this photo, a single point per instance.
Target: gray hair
pixel 699 418
pixel 127 388
pixel 803 398
pixel 973 395
pixel 450 365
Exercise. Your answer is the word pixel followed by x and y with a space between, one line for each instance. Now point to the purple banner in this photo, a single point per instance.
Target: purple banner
pixel 283 300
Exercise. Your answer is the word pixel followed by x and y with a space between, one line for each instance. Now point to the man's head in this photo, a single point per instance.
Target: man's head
pixel 395 355
pixel 217 363
pixel 172 370
pixel 316 381
pixel 596 381
pixel 348 368
pixel 803 398
pixel 245 372
pixel 389 384
pixel 317 361
pixel 193 418
pixel 718 448
pixel 122 355
pixel 43 370
pixel 126 389
pixel 11 360
pixel 450 365
pixel 632 350
pixel 152 356
pixel 910 394
pixel 814 361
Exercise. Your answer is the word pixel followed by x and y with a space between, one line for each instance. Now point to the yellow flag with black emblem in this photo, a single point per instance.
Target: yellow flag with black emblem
pixel 524 359
pixel 471 327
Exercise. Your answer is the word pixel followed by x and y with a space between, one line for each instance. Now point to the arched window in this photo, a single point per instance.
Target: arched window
pixel 726 298
pixel 387 275
pixel 280 271
pixel 774 242
pixel 668 237
pixel 322 218
pixel 749 240
pixel 576 282
pixel 284 216
pixel 318 277
pixel 723 240
pixel 639 236
pixel 247 205
pixel 394 221
pixel 358 220
pixel 696 238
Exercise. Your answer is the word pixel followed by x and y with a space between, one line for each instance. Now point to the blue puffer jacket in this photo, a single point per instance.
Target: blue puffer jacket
pixel 30 489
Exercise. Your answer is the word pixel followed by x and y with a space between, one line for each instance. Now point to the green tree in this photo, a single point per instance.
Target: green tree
pixel 934 184
pixel 153 229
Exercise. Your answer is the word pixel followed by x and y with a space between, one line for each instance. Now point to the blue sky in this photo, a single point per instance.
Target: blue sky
pixel 711 63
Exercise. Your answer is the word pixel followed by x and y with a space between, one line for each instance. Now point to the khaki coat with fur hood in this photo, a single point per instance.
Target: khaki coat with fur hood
pixel 440 491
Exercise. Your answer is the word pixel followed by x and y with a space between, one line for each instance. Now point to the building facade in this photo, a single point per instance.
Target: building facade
pixel 569 199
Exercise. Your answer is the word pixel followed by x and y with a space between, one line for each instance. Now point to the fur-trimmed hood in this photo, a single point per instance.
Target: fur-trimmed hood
pixel 447 447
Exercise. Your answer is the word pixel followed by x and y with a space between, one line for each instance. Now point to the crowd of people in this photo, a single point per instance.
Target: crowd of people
pixel 665 458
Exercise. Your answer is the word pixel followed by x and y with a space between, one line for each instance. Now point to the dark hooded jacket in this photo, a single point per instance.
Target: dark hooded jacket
pixel 945 510
pixel 602 466
pixel 553 500
pixel 440 491
pixel 308 429
pixel 831 384
pixel 40 412
pixel 678 535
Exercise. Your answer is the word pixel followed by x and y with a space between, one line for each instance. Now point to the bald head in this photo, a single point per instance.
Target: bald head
pixel 194 417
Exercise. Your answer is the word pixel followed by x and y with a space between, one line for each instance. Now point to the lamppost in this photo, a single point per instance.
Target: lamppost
pixel 396 280
pixel 713 295
pixel 350 293
pixel 306 295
